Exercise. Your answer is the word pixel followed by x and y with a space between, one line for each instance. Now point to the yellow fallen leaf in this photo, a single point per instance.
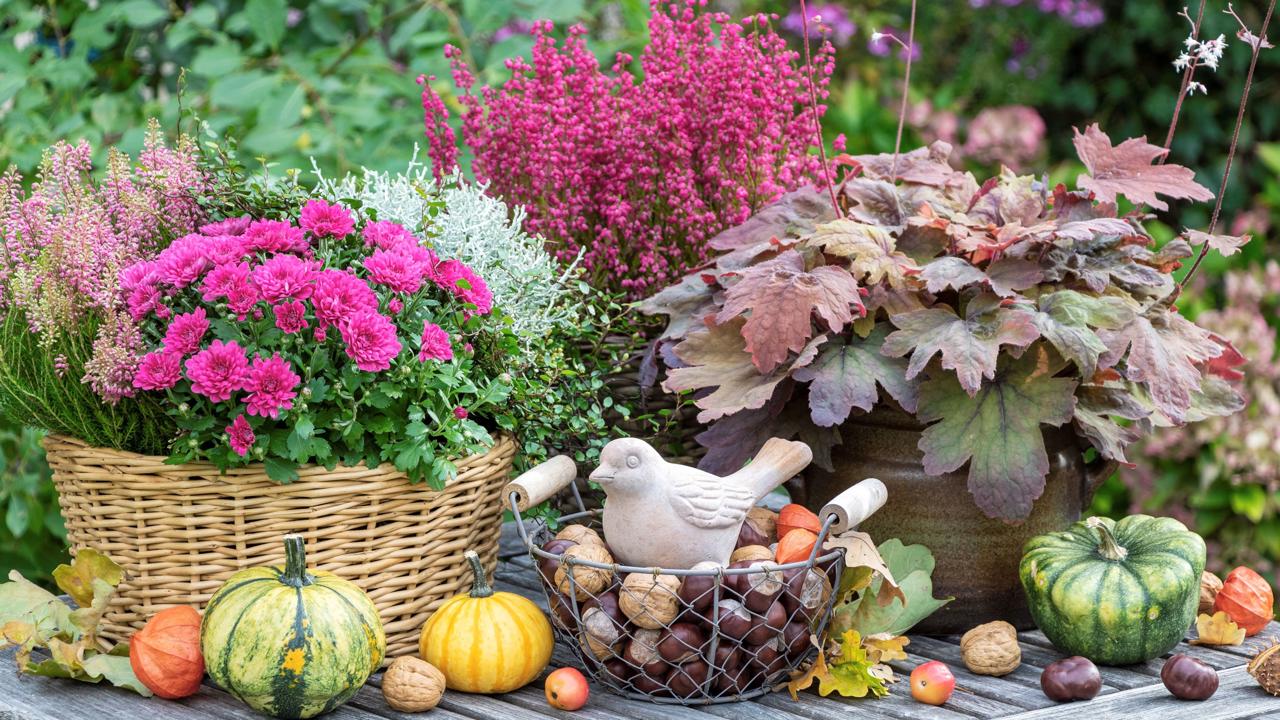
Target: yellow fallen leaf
pixel 883 647
pixel 1217 629
pixel 77 578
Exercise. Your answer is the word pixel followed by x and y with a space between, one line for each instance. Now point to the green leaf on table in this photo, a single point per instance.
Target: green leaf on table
pixel 845 376
pixel 913 566
pixel 997 430
pixel 1067 319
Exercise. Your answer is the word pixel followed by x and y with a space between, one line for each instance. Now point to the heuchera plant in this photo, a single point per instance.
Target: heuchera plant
pixel 636 171
pixel 318 342
pixel 986 309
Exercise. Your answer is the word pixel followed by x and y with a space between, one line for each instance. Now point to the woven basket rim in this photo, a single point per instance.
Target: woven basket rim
pixel 257 469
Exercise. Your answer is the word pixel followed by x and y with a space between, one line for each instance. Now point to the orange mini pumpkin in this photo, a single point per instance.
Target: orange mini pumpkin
pixel 1247 599
pixel 165 653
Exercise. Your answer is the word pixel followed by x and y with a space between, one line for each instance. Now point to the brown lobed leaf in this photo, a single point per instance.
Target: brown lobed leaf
pixel 861 552
pixel 795 213
pixel 782 297
pixel 1127 169
pixel 1228 245
pixel 871 250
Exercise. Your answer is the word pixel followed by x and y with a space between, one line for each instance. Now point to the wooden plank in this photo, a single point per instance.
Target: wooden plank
pixel 815 707
pixel 1238 696
pixel 1118 677
pixel 370 698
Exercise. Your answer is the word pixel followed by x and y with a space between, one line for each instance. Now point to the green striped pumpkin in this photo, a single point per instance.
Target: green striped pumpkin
pixel 288 642
pixel 1115 592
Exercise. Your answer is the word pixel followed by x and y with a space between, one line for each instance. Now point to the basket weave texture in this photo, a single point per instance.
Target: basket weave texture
pixel 179 531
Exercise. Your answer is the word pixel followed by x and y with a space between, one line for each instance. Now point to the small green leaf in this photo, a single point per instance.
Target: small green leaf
pixel 16 517
pixel 267 18
pixel 141 13
pixel 280 470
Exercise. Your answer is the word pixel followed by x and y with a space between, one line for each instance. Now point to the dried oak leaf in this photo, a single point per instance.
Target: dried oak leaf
pixel 997 430
pixel 1067 319
pixel 782 298
pixel 871 250
pixel 717 358
pixel 861 552
pixel 849 672
pixel 1165 352
pixel 1127 169
pixel 970 345
pixel 1217 629
pixel 1228 245
pixel 1095 408
pixel 845 375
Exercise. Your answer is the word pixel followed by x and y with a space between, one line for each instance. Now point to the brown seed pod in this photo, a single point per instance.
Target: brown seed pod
pixel 735 619
pixel 580 534
pixel 1210 584
pixel 751 553
pixel 991 649
pixel 1265 668
pixel 586 582
pixel 761 587
pixel 686 680
pixel 650 601
pixel 768 625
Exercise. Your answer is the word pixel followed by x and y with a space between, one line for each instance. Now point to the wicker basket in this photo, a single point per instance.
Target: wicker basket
pixel 179 531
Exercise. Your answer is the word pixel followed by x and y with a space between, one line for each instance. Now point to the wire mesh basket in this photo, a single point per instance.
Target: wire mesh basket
pixel 710 634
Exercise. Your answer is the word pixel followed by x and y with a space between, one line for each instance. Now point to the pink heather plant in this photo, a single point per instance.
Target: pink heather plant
pixel 375 381
pixel 637 171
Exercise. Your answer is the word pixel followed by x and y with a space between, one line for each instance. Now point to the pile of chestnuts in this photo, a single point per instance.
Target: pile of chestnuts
pixel 705 635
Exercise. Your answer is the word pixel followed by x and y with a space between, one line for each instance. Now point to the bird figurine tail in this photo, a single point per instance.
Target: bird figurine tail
pixel 778 461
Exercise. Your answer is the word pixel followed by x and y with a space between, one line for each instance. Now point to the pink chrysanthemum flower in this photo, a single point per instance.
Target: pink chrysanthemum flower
pixel 371 340
pixel 274 236
pixel 159 370
pixel 435 343
pixel 223 249
pixel 242 297
pixel 387 235
pixel 272 386
pixel 183 262
pixel 230 226
pixel 138 282
pixel 218 371
pixel 322 219
pixel 291 317
pixel 222 279
pixel 460 413
pixel 462 281
pixel 185 332
pixel 286 277
pixel 338 294
pixel 399 271
pixel 240 436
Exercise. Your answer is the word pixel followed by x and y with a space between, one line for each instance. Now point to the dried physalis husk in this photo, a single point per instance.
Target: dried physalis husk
pixel 1265 668
pixel 580 534
pixel 1210 584
pixel 991 649
pixel 587 582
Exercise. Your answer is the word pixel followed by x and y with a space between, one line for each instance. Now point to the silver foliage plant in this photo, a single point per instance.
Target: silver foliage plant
pixel 462 221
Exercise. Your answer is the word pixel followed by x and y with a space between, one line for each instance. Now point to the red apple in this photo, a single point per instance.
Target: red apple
pixel 567 689
pixel 932 683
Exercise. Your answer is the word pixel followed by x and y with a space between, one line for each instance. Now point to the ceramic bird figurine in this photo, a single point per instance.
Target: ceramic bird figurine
pixel 659 514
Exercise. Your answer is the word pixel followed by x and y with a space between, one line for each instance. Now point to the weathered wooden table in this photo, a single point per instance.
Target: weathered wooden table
pixel 1131 692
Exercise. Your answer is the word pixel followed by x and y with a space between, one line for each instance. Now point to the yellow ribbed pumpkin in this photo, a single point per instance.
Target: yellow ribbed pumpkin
pixel 485 641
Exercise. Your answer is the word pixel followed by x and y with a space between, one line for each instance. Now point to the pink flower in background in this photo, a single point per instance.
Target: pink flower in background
pixel 142 294
pixel 218 371
pixel 291 317
pixel 183 262
pixel 1011 135
pixel 462 281
pixel 395 306
pixel 322 219
pixel 159 370
pixel 230 226
pixel 396 270
pixel 185 332
pixel 460 413
pixel 338 294
pixel 274 236
pixel 371 340
pixel 240 436
pixel 435 343
pixel 223 249
pixel 284 277
pixel 272 386
pixel 387 235
pixel 223 279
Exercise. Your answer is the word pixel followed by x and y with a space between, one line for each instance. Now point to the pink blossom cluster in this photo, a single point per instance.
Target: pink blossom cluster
pixel 638 170
pixel 64 243
pixel 253 275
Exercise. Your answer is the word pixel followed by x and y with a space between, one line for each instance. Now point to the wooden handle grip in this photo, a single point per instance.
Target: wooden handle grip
pixel 537 484
pixel 855 504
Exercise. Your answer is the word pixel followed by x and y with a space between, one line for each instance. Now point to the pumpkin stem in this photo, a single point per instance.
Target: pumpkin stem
pixel 480 587
pixel 1107 545
pixel 295 562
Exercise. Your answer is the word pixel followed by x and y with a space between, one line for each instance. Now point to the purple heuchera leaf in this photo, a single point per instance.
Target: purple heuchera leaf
pixel 950 272
pixel 845 376
pixel 997 431
pixel 1127 169
pixel 1165 351
pixel 1008 276
pixel 1067 319
pixel 1228 245
pixel 1096 405
pixel 795 213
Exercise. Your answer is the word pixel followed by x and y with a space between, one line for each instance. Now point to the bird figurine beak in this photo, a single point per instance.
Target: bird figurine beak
pixel 599 477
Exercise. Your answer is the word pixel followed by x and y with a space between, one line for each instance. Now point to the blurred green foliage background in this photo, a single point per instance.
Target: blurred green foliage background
pixel 334 81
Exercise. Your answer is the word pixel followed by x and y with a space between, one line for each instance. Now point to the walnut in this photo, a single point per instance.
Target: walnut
pixel 412 685
pixel 585 582
pixel 580 534
pixel 991 649
pixel 650 601
pixel 751 552
pixel 1210 584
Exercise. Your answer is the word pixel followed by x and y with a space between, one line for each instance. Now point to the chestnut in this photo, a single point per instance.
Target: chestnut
pixel 562 611
pixel 768 659
pixel 618 669
pixel 751 534
pixel 651 683
pixel 795 640
pixel 602 627
pixel 761 588
pixel 699 591
pixel 766 626
pixel 728 656
pixel 735 620
pixel 1069 679
pixel 642 652
pixel 687 680
pixel 547 566
pixel 735 680
pixel 806 593
pixel 1187 678
pixel 681 642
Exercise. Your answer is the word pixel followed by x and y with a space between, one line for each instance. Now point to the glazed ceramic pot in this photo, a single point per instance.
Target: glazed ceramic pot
pixel 977 557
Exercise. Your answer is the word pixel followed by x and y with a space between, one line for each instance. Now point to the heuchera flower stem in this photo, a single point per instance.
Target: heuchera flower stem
pixel 906 89
pixel 813 105
pixel 1235 142
pixel 1186 85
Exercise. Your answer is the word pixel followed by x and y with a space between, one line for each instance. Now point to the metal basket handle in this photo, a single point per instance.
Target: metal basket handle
pixel 855 504
pixel 538 484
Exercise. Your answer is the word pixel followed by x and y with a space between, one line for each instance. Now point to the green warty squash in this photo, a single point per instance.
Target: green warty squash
pixel 1115 592
pixel 288 642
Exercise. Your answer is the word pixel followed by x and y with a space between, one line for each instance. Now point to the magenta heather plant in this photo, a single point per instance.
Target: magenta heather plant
pixel 637 171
